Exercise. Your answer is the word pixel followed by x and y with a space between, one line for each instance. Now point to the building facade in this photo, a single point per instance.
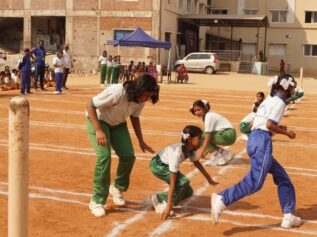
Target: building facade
pixel 87 24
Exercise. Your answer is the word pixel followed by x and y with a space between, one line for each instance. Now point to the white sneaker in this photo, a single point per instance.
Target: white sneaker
pixel 216 159
pixel 102 85
pixel 152 199
pixel 217 206
pixel 56 92
pixel 117 196
pixel 227 155
pixel 96 209
pixel 160 207
pixel 244 137
pixel 289 221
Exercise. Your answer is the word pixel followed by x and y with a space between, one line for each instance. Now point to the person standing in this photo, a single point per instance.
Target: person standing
pixel 39 54
pixel 67 65
pixel 58 64
pixel 103 67
pixel 106 115
pixel 25 67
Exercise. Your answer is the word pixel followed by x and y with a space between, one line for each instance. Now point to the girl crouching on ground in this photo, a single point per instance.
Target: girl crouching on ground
pixel 165 166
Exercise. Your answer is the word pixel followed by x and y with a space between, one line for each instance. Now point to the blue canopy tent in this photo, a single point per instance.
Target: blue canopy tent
pixel 139 38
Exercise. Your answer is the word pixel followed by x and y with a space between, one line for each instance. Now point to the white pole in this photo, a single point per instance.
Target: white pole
pixel 168 64
pixel 18 167
pixel 301 77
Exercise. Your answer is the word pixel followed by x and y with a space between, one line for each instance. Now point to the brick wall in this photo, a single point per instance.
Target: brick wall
pixel 119 5
pixel 85 4
pixel 11 4
pixel 48 4
pixel 84 36
pixel 109 23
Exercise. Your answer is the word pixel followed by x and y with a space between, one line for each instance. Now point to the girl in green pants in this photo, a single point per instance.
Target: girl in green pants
pixel 109 70
pixel 106 124
pixel 218 131
pixel 165 166
pixel 103 67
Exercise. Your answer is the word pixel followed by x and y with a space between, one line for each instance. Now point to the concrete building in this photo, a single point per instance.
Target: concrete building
pixel 87 24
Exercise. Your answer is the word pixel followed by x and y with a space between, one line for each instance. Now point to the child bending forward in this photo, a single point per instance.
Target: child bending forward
pixel 165 166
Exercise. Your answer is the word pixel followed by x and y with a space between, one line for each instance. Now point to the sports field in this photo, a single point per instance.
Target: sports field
pixel 61 163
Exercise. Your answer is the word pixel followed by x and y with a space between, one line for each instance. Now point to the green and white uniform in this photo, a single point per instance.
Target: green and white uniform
pixel 169 160
pixel 222 131
pixel 103 68
pixel 245 123
pixel 109 71
pixel 113 108
pixel 115 73
pixel 299 93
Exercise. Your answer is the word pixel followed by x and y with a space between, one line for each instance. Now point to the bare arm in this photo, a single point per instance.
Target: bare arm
pixel 205 145
pixel 100 135
pixel 205 173
pixel 171 189
pixel 138 132
pixel 280 129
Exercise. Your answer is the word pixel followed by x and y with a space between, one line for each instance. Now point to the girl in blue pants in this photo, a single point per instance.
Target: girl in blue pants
pixel 262 162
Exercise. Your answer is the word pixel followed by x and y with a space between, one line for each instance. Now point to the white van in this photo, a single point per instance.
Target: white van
pixel 200 62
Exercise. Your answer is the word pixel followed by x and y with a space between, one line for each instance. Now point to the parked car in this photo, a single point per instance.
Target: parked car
pixel 200 62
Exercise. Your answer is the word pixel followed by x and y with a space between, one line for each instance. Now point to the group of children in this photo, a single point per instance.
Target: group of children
pixel 106 122
pixel 9 79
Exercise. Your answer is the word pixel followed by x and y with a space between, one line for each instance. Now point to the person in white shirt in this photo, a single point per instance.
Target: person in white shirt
pixel 262 162
pixel 106 116
pixel 67 65
pixel 58 64
pixel 165 166
pixel 218 132
pixel 103 67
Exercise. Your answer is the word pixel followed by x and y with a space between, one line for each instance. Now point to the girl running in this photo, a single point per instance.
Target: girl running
pixel 262 162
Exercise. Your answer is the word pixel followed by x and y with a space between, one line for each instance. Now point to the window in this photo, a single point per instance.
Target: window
pixel 167 36
pixel 217 11
pixel 204 56
pixel 279 16
pixel 119 34
pixel 193 57
pixel 250 12
pixel 277 49
pixel 310 17
pixel 310 50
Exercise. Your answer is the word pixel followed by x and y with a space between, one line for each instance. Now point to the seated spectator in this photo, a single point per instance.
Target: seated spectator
pixel 182 74
pixel 3 85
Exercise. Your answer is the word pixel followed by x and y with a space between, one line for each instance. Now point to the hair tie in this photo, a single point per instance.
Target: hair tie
pixel 185 136
pixel 205 102
pixel 285 83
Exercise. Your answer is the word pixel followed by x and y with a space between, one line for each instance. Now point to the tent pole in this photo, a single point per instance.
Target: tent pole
pixel 118 49
pixel 168 64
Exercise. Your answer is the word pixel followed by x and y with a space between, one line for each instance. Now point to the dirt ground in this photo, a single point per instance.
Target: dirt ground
pixel 61 163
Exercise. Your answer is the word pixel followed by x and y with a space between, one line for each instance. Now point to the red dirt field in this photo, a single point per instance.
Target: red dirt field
pixel 61 162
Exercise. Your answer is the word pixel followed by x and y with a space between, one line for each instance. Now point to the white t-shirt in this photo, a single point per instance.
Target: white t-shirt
pixel 271 109
pixel 67 60
pixel 103 60
pixel 249 118
pixel 59 62
pixel 173 156
pixel 113 106
pixel 109 63
pixel 216 122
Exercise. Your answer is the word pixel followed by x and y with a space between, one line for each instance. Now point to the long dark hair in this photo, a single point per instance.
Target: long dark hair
pixel 201 104
pixel 277 86
pixel 142 84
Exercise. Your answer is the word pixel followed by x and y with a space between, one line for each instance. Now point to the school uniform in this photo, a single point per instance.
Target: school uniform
pixel 26 73
pixel 109 71
pixel 222 131
pixel 103 68
pixel 40 54
pixel 168 161
pixel 262 162
pixel 113 108
pixel 245 124
pixel 58 72
pixel 115 71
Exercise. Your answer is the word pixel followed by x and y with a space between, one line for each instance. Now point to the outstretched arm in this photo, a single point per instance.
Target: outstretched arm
pixel 205 145
pixel 171 189
pixel 138 132
pixel 205 173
